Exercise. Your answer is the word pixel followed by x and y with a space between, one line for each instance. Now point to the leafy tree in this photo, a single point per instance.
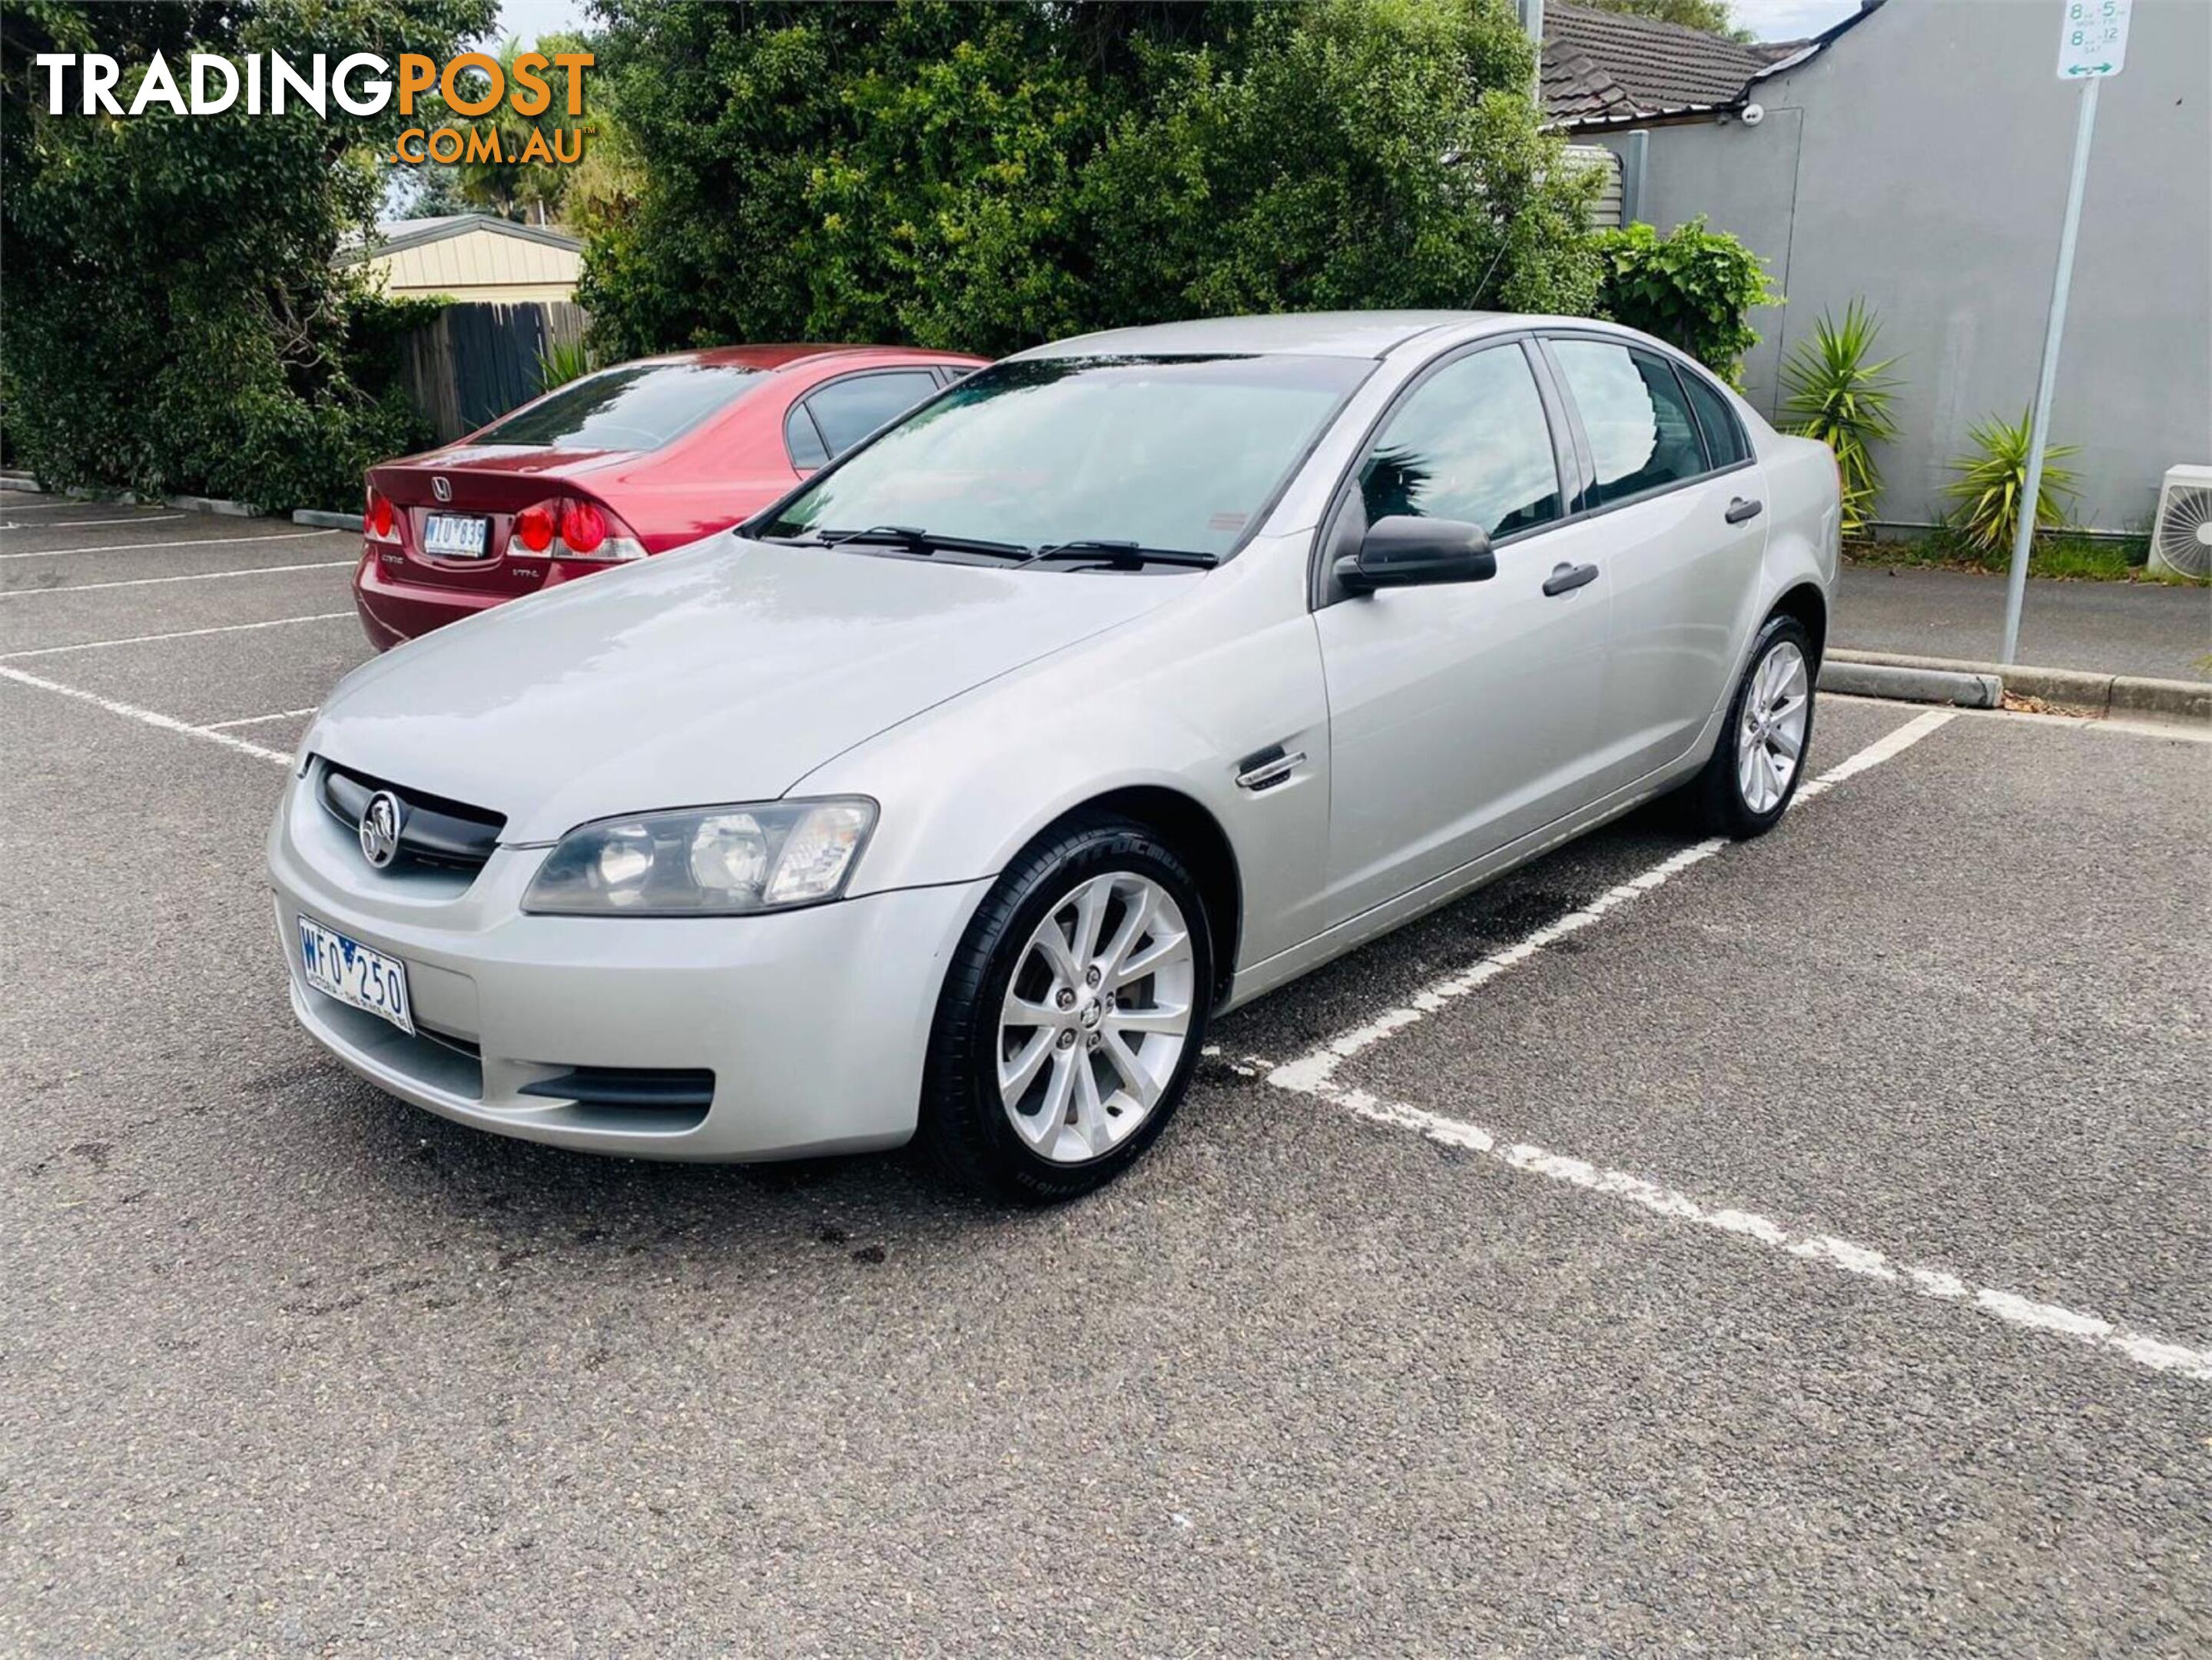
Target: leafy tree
pixel 987 177
pixel 1347 155
pixel 173 319
pixel 1713 17
pixel 531 191
pixel 534 193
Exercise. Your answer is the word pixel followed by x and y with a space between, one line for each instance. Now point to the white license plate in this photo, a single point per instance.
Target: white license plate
pixel 455 535
pixel 349 971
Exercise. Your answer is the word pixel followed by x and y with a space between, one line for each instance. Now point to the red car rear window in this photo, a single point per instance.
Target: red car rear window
pixel 639 406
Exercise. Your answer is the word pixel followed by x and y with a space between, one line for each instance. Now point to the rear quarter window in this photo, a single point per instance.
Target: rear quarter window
pixel 847 410
pixel 1724 436
pixel 638 406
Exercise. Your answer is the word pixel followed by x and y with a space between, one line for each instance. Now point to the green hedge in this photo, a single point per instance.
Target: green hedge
pixel 1695 288
pixel 175 322
pixel 987 177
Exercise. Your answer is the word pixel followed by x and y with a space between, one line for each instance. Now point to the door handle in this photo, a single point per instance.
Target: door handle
pixel 1565 578
pixel 1741 509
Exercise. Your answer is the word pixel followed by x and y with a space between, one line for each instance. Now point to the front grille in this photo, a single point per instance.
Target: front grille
pixel 433 830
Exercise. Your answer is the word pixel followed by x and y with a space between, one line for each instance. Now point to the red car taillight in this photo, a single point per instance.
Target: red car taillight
pixel 533 527
pixel 378 522
pixel 569 527
pixel 583 529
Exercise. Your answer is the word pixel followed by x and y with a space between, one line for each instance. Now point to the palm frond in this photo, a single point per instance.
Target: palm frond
pixel 1992 484
pixel 1832 393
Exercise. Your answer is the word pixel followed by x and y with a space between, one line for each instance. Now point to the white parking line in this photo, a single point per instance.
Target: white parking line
pixel 193 542
pixel 181 634
pixel 1313 1075
pixel 256 720
pixel 87 524
pixel 196 576
pixel 148 717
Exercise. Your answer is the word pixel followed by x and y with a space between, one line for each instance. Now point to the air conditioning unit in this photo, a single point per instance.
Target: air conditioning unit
pixel 2181 535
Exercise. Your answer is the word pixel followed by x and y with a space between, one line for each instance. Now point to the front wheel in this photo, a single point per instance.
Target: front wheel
pixel 1072 1016
pixel 1746 787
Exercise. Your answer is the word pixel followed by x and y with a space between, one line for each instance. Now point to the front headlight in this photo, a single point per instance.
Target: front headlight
pixel 705 861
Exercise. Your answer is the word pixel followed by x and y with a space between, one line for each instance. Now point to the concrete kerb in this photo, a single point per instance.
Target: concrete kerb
pixel 1913 685
pixel 322 521
pixel 2074 690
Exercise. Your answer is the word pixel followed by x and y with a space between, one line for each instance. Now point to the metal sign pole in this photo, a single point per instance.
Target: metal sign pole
pixel 2093 43
pixel 2038 431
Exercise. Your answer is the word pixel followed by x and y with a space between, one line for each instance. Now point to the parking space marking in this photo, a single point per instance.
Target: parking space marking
pixel 86 524
pixel 1313 1072
pixel 256 720
pixel 149 581
pixel 180 633
pixel 2155 1353
pixel 194 542
pixel 1313 1075
pixel 148 717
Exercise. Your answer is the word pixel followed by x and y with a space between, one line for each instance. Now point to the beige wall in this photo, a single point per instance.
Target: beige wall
pixel 480 264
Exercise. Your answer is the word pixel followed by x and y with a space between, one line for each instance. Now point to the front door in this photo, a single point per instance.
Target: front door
pixel 1462 716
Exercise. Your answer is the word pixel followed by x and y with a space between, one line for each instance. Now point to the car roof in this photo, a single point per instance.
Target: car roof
pixel 1308 334
pixel 788 355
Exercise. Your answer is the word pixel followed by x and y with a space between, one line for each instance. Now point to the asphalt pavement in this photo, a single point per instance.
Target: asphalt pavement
pixel 1798 1247
pixel 2159 629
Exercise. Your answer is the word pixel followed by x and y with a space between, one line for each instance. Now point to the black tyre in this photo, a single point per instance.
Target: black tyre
pixel 1747 786
pixel 1072 1015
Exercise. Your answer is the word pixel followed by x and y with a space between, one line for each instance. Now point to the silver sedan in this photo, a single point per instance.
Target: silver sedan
pixel 1127 680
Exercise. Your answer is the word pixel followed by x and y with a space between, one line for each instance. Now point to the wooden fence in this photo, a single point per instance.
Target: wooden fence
pixel 475 362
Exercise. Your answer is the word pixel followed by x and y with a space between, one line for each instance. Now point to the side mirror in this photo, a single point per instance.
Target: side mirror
pixel 1404 551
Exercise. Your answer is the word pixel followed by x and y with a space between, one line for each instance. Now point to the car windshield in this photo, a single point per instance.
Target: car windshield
pixel 1177 454
pixel 639 406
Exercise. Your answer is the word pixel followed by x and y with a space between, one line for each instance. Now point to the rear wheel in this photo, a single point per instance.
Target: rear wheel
pixel 1747 786
pixel 1072 1016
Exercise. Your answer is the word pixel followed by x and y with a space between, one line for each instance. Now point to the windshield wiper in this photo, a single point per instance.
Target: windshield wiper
pixel 1123 555
pixel 914 539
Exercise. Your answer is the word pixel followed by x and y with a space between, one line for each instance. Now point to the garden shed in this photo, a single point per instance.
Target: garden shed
pixel 471 257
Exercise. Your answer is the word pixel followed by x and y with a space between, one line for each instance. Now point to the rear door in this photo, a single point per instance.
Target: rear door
pixel 1462 716
pixel 1678 497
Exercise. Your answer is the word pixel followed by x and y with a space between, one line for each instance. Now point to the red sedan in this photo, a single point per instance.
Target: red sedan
pixel 629 461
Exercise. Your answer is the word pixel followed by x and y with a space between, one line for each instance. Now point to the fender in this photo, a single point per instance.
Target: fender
pixel 1164 701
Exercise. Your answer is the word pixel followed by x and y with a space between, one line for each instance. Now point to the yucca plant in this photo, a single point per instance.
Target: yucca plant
pixel 1992 483
pixel 1834 394
pixel 561 362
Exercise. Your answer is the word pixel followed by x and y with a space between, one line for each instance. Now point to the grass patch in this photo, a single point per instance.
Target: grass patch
pixel 2064 554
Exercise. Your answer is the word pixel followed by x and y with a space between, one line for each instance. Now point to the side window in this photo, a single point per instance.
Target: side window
pixel 807 450
pixel 1725 439
pixel 1642 434
pixel 848 410
pixel 1471 443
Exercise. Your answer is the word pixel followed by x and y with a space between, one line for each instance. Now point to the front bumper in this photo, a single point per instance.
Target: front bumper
pixel 814 1023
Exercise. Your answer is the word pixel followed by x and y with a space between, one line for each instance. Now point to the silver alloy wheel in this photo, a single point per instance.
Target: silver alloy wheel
pixel 1770 741
pixel 1096 1017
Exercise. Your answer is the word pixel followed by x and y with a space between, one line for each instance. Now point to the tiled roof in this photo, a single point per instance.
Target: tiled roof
pixel 1605 66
